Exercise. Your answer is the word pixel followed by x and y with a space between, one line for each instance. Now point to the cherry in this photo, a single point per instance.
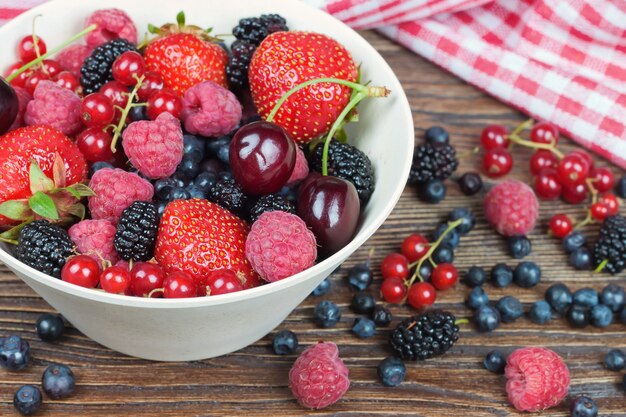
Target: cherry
pixel 51 67
pixel 179 284
pixel 542 159
pixel 262 157
pixel 395 265
pixel 146 277
pixel 95 144
pixel 330 207
pixel 599 211
pixel 422 294
pixel 497 162
pixel 151 83
pixel 572 170
pixel 33 80
pixel 26 48
pixel 547 185
pixel 164 100
pixel 610 202
pixel 115 280
pixel 494 136
pixel 544 132
pixel 585 156
pixel 221 281
pixel 8 106
pixel 97 110
pixel 444 276
pixel 393 290
pixel 561 225
pixel 602 179
pixel 414 247
pixel 574 194
pixel 67 80
pixel 128 68
pixel 81 270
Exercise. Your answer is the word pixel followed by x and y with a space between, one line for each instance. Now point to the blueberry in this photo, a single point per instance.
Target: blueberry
pixel 326 314
pixel 620 187
pixel 138 113
pixel 436 135
pixel 583 407
pixel 178 193
pixel 434 191
pixel 578 316
pixel 477 298
pixel 322 288
pixel 161 205
pixel 580 258
pixel 540 312
pixel 501 275
pixel 27 400
pixel 188 168
pixel 452 238
pixel 163 187
pixel 470 183
pixel 495 362
pixel 527 274
pixel 475 276
pixel 559 297
pixel 487 318
pixel 586 297
pixel 362 303
pixel 97 166
pixel 223 154
pixel 192 144
pixel 195 192
pixel 426 270
pixel 285 342
pixel 601 316
pixel 519 246
pixel 360 277
pixel 58 381
pixel 205 181
pixel 14 353
pixel 381 316
pixel 510 309
pixel 211 165
pixel 213 146
pixel 469 220
pixel 614 297
pixel 363 327
pixel 225 175
pixel 391 371
pixel 574 241
pixel 615 360
pixel 50 327
pixel 444 254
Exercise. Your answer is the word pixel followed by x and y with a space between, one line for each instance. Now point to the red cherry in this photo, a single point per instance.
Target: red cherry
pixel 444 276
pixel 164 100
pixel 602 179
pixel 610 202
pixel 66 79
pixel 128 68
pixel 544 132
pixel 421 294
pixel 115 280
pixel 20 80
pixel 97 110
pixel 585 156
pixel 95 144
pixel 561 225
pixel 497 162
pixel 152 82
pixel 599 211
pixel 52 67
pixel 572 170
pixel 395 265
pixel 547 185
pixel 414 247
pixel 542 159
pixel 146 277
pixel 575 194
pixel 220 281
pixel 179 284
pixel 81 270
pixel 393 290
pixel 33 80
pixel 26 48
pixel 494 136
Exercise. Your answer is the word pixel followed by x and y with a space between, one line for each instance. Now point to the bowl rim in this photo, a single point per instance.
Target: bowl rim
pixel 404 157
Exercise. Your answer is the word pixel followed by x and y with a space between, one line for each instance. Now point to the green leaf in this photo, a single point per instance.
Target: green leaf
pixel 79 190
pixel 11 235
pixel 77 210
pixel 153 29
pixel 15 210
pixel 341 135
pixel 38 180
pixel 43 205
pixel 180 18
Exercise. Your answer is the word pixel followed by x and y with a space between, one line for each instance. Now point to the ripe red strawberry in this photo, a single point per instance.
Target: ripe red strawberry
pixel 286 59
pixel 197 236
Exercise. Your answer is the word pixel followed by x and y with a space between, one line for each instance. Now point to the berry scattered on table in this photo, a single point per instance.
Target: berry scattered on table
pixel 421 295
pixel 285 342
pixel 615 360
pixel 609 251
pixel 560 297
pixel 58 381
pixel 580 258
pixel 487 318
pixel 527 274
pixel 540 312
pixel 14 353
pixel 50 327
pixel 519 246
pixel 362 303
pixel 360 276
pixel 381 316
pixel 586 297
pixel 475 276
pixel 601 316
pixel 425 336
pixel 477 298
pixel 27 400
pixel 391 371
pixel 326 314
pixel 501 275
pixel 470 183
pixel 363 327
pixel 432 162
pixel 583 406
pixel 433 191
pixel 510 309
pixel 322 289
pixel 495 362
pixel 511 207
pixel 578 316
pixel 614 297
pixel 573 241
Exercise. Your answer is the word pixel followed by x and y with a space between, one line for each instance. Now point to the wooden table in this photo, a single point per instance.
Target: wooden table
pixel 253 381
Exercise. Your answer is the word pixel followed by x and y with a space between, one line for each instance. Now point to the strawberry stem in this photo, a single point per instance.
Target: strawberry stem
pixel 129 105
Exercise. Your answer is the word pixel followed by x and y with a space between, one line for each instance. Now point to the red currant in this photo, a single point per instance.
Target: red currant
pixel 572 170
pixel 395 265
pixel 118 94
pixel 544 132
pixel 444 276
pixel 115 280
pixel 575 194
pixel 561 225
pixel 146 277
pixel 66 79
pixel 494 136
pixel 81 270
pixel 20 80
pixel 97 110
pixel 414 247
pixel 152 82
pixel 164 100
pixel 547 185
pixel 421 294
pixel 128 68
pixel 220 281
pixel 599 211
pixel 497 162
pixel 33 80
pixel 393 290
pixel 51 67
pixel 179 284
pixel 26 48
pixel 542 159
pixel 585 156
pixel 95 144
pixel 602 179
pixel 610 202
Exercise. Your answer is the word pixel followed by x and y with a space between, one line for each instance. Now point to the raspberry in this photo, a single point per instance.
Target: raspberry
pixel 280 245
pixel 154 147
pixel 95 238
pixel 111 24
pixel 319 377
pixel 23 98
pixel 115 190
pixel 71 58
pixel 301 169
pixel 210 110
pixel 537 378
pixel 512 208
pixel 56 107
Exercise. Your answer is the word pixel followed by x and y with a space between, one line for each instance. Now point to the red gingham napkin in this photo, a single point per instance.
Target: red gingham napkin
pixel 557 60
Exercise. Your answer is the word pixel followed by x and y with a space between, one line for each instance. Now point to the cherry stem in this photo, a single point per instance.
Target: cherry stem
pixel 129 105
pixel 601 266
pixel 51 52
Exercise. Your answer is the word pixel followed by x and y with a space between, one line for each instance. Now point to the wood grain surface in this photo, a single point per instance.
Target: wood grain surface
pixel 253 381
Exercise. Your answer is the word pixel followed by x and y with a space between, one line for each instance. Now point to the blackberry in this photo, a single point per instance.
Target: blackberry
pixel 432 162
pixel 238 63
pixel 424 336
pixel 611 245
pixel 274 23
pixel 347 162
pixel 136 232
pixel 96 70
pixel 228 194
pixel 272 202
pixel 255 29
pixel 44 246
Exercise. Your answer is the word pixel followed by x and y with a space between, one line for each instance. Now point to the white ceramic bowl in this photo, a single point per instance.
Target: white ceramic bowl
pixel 199 328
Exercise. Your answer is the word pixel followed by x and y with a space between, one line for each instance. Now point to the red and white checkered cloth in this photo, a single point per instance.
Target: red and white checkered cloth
pixel 557 60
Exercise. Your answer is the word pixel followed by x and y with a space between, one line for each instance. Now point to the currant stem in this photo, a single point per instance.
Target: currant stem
pixel 129 105
pixel 461 321
pixel 513 137
pixel 601 266
pixel 522 126
pixel 468 153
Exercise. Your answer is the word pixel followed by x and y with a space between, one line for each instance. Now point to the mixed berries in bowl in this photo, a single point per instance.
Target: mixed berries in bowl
pixel 174 192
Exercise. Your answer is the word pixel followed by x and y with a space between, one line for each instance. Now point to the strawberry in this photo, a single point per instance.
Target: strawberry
pixel 197 237
pixel 185 55
pixel 285 59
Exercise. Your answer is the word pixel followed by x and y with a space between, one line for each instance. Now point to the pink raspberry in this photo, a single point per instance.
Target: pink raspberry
pixel 301 169
pixel 512 208
pixel 23 98
pixel 72 58
pixel 95 238
pixel 56 107
pixel 280 245
pixel 115 190
pixel 154 147
pixel 210 110
pixel 319 377
pixel 537 378
pixel 111 24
